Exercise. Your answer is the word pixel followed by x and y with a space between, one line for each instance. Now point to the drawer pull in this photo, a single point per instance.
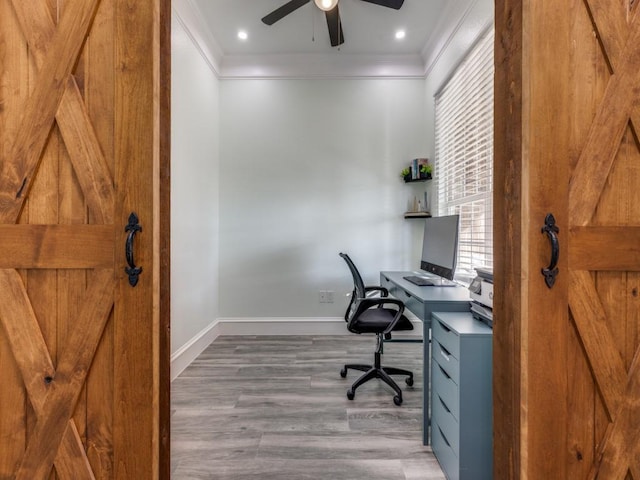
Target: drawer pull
pixel 445 353
pixel 444 404
pixel 444 327
pixel 444 372
pixel 444 437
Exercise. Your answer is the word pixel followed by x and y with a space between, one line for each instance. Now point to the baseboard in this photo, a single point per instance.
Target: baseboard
pixel 265 326
pixel 182 358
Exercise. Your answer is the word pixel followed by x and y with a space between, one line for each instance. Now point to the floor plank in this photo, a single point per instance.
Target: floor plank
pixel 275 407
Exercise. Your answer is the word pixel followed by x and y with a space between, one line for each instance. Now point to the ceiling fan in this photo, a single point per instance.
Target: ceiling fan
pixel 332 13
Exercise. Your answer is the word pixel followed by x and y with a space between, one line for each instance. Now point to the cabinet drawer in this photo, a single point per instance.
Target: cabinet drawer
pixel 446 388
pixel 447 337
pixel 441 415
pixel 444 453
pixel 446 360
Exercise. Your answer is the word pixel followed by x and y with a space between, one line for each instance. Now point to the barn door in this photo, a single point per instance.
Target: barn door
pixel 567 355
pixel 82 350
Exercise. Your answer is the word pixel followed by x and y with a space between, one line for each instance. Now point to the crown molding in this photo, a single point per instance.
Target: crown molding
pixel 190 17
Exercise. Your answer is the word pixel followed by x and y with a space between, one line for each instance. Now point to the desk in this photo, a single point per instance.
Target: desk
pixel 422 302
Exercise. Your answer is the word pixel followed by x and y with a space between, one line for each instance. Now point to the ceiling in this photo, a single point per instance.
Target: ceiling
pixel 369 29
pixel 298 44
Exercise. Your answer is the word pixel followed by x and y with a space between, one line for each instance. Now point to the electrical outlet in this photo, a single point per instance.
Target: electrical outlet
pixel 326 296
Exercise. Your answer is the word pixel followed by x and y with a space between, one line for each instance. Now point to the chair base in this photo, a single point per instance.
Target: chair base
pixel 377 371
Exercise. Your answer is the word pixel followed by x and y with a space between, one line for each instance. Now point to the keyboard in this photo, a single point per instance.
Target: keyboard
pixel 420 281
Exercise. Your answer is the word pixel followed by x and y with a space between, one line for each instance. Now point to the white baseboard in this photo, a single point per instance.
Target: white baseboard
pixel 283 326
pixel 182 358
pixel 265 326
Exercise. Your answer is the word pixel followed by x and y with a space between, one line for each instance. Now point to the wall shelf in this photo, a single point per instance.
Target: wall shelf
pixel 417 215
pixel 414 180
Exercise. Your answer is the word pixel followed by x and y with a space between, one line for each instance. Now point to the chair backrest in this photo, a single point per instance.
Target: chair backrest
pixel 358 284
pixel 358 289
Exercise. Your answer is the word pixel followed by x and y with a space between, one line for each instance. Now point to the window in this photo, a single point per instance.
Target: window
pixel 464 154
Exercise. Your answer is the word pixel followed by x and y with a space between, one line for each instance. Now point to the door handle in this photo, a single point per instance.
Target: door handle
pixel 132 270
pixel 552 230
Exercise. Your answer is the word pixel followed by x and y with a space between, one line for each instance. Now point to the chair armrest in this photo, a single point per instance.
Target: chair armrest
pixel 383 291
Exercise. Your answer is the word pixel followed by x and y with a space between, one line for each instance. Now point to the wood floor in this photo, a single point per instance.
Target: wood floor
pixel 276 408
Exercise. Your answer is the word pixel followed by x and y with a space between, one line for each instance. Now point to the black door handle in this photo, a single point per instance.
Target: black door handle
pixel 552 230
pixel 132 270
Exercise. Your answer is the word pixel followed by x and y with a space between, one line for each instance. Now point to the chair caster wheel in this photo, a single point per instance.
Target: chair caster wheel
pixel 343 373
pixel 350 394
pixel 397 400
pixel 409 381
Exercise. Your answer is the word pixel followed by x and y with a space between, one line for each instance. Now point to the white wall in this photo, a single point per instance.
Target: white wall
pixel 194 190
pixel 310 168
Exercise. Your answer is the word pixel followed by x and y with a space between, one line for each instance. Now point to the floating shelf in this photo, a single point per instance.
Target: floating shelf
pixel 414 180
pixel 417 215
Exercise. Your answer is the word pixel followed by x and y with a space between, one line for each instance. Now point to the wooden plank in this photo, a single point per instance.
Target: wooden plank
pixel 40 109
pixel 590 74
pixel 605 360
pixel 611 23
pixel 99 94
pixel 606 134
pixel 56 246
pixel 34 362
pixel 70 375
pixel 136 320
pixel 580 425
pixel 621 446
pixel 22 329
pixel 605 248
pixel 164 233
pixel 79 136
pixel 13 52
pixel 507 217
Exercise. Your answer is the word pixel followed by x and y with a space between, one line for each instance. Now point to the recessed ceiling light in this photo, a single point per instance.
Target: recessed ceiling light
pixel 400 34
pixel 242 35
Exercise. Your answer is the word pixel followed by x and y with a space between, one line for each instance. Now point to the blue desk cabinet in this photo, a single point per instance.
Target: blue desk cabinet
pixel 422 302
pixel 461 396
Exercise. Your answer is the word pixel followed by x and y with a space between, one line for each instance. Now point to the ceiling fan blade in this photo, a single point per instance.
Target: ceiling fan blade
pixel 283 11
pixel 387 3
pixel 335 26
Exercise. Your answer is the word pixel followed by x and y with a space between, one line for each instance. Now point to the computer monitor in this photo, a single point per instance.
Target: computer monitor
pixel 440 246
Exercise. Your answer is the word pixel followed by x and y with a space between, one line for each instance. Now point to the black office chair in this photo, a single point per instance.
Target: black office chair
pixel 380 315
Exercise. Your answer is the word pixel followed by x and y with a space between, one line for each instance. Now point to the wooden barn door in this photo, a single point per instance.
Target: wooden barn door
pixel 567 356
pixel 83 144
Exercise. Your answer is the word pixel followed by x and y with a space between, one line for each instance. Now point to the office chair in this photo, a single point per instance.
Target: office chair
pixel 380 315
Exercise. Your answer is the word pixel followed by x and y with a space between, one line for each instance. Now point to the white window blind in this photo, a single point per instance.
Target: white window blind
pixel 464 154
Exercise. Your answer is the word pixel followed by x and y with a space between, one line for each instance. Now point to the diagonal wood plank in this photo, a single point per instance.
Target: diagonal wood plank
pixel 70 376
pixel 608 126
pixel 40 109
pixel 72 117
pixel 604 358
pixel 22 328
pixel 620 447
pixel 32 357
pixel 611 23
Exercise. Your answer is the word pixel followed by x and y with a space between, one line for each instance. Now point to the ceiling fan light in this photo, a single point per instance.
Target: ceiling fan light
pixel 326 5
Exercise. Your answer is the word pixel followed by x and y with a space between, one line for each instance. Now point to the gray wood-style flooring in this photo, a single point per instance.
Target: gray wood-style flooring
pixel 275 407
